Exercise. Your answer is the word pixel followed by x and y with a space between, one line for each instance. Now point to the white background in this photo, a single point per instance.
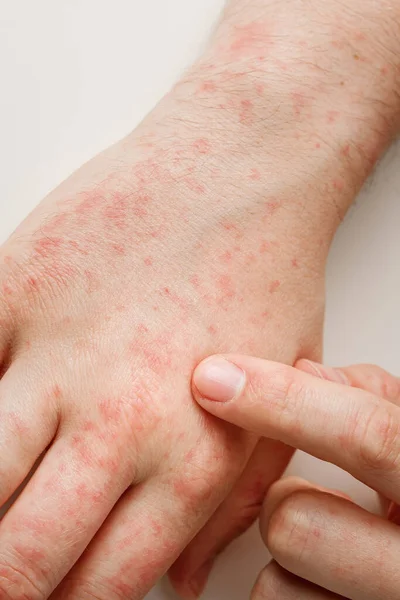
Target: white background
pixel 76 76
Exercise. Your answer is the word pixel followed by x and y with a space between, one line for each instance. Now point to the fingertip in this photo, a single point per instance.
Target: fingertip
pixel 217 379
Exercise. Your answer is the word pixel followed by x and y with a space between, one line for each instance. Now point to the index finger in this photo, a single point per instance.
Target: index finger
pixel 354 429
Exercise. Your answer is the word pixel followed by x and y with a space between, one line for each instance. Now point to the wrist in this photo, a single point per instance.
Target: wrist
pixel 310 99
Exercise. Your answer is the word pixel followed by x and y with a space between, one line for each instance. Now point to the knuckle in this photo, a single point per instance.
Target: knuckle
pixel 285 394
pixel 99 589
pixel 389 386
pixel 20 583
pixel 295 530
pixel 375 439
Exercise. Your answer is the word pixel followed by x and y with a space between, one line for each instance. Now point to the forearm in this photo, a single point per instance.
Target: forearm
pixel 303 95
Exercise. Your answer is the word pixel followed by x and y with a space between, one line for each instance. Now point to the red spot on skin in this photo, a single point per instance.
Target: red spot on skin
pixel 272 207
pixel 250 258
pixel 337 44
pixel 226 256
pixel 77 247
pixel 88 426
pixel 194 280
pixel 148 261
pixel 7 290
pixel 116 212
pixel 156 527
pixel 212 329
pixel 255 175
pixel 47 246
pixel 82 491
pixel 274 286
pixel 194 186
pixel 332 116
pixel 229 226
pixel 139 211
pixel 260 89
pixel 225 285
pixel 318 145
pixel 31 555
pixel 360 36
pixel 338 185
pixel 299 102
pixel 385 70
pixel 246 112
pixel 346 150
pixel 249 37
pixel 202 146
pixel 18 424
pixel 32 283
pixel 316 532
pixel 56 391
pixel 265 247
pixel 176 299
pixel 295 263
pixel 119 249
pixel 93 284
pixel 208 86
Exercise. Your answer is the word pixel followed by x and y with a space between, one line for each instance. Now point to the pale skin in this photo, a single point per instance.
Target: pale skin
pixel 205 230
pixel 324 546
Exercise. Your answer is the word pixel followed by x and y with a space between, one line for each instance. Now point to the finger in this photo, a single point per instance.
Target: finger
pixel 235 515
pixel 58 513
pixel 335 544
pixel 144 535
pixel 275 583
pixel 28 422
pixel 346 426
pixel 285 487
pixel 370 378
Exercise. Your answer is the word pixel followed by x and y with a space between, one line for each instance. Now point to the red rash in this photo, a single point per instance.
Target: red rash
pixel 226 257
pixel 338 185
pixel 299 103
pixel 332 116
pixel 119 249
pixel 194 186
pixel 265 247
pixel 246 112
pixel 346 150
pixel 208 86
pixel 255 174
pixel 46 246
pixel 250 37
pixel 295 263
pixel 226 286
pixel 116 212
pixel 274 286
pixel 202 146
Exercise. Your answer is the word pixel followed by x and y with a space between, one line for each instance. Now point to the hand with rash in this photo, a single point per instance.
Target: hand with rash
pixel 205 230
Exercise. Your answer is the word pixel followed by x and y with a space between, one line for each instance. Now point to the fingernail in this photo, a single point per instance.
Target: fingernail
pixel 200 578
pixel 328 373
pixel 218 379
